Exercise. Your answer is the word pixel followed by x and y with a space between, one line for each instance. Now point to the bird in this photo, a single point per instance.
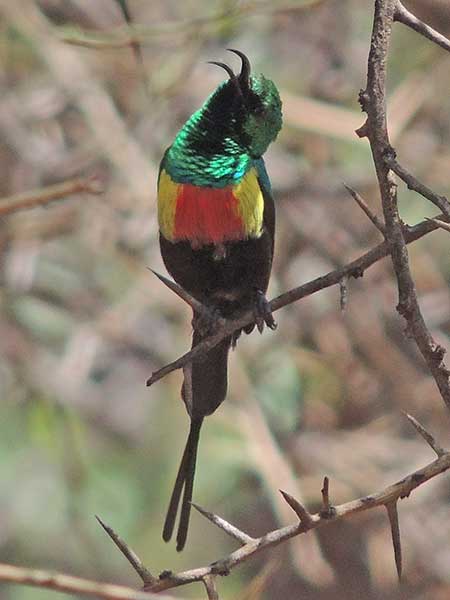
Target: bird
pixel 216 219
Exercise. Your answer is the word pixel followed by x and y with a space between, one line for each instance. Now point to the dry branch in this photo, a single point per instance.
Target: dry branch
pixel 402 15
pixel 355 269
pixel 414 184
pixel 168 580
pixel 43 196
pixel 397 236
pixel 373 102
pixel 70 585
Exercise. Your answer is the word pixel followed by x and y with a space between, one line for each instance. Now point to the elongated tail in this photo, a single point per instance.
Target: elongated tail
pixel 209 388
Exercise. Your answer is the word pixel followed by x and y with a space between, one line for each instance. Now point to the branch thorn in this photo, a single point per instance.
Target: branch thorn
pixel 129 554
pixel 181 293
pixel 425 434
pixel 230 529
pixel 304 516
pixel 365 208
pixel 327 511
pixel 392 512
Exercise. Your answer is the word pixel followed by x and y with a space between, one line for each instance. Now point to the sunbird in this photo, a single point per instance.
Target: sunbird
pixel 217 225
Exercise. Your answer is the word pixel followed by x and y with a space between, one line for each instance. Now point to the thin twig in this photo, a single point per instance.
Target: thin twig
pixel 417 186
pixel 70 585
pixel 129 554
pixel 136 47
pixel 343 293
pixel 373 102
pixel 43 196
pixel 355 268
pixel 392 512
pixel 441 224
pixel 425 434
pixel 365 208
pixel 230 529
pixel 404 16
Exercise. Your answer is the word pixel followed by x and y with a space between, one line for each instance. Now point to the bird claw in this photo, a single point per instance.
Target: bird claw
pixel 263 314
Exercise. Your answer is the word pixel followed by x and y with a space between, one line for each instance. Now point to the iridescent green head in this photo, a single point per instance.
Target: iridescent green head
pixel 236 124
pixel 260 117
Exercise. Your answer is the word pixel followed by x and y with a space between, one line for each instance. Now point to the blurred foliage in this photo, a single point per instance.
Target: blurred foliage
pixel 83 323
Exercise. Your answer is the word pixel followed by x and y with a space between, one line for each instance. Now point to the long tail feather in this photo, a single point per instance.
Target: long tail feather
pixel 183 525
pixel 171 515
pixel 209 387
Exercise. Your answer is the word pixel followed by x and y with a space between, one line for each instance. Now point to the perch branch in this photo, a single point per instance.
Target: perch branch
pixel 355 269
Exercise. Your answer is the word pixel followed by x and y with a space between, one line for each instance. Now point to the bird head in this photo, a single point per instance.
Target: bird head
pixel 252 104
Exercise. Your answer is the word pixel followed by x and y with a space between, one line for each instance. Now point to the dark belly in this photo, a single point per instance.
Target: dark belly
pixel 227 280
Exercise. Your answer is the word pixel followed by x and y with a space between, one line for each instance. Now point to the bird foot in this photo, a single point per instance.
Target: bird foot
pixel 263 314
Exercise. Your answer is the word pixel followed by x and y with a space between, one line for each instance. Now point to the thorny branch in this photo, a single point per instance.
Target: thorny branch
pixel 373 102
pixel 354 269
pixel 397 236
pixel 387 497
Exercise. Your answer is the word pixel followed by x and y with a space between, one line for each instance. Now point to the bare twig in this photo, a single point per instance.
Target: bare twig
pixel 129 554
pixel 355 268
pixel 230 529
pixel 70 585
pixel 425 434
pixel 392 512
pixel 373 102
pixel 365 208
pixel 414 184
pixel 43 196
pixel 402 15
pixel 343 293
pixel 135 46
pixel 441 224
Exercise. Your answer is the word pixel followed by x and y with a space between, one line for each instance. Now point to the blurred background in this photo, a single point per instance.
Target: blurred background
pixel 83 323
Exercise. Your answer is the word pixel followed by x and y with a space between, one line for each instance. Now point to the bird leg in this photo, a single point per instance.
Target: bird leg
pixel 263 313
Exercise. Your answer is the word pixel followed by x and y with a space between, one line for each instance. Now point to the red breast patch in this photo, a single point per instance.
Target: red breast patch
pixel 207 215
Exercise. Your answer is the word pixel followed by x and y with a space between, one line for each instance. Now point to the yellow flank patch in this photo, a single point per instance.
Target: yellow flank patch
pixel 250 203
pixel 167 203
